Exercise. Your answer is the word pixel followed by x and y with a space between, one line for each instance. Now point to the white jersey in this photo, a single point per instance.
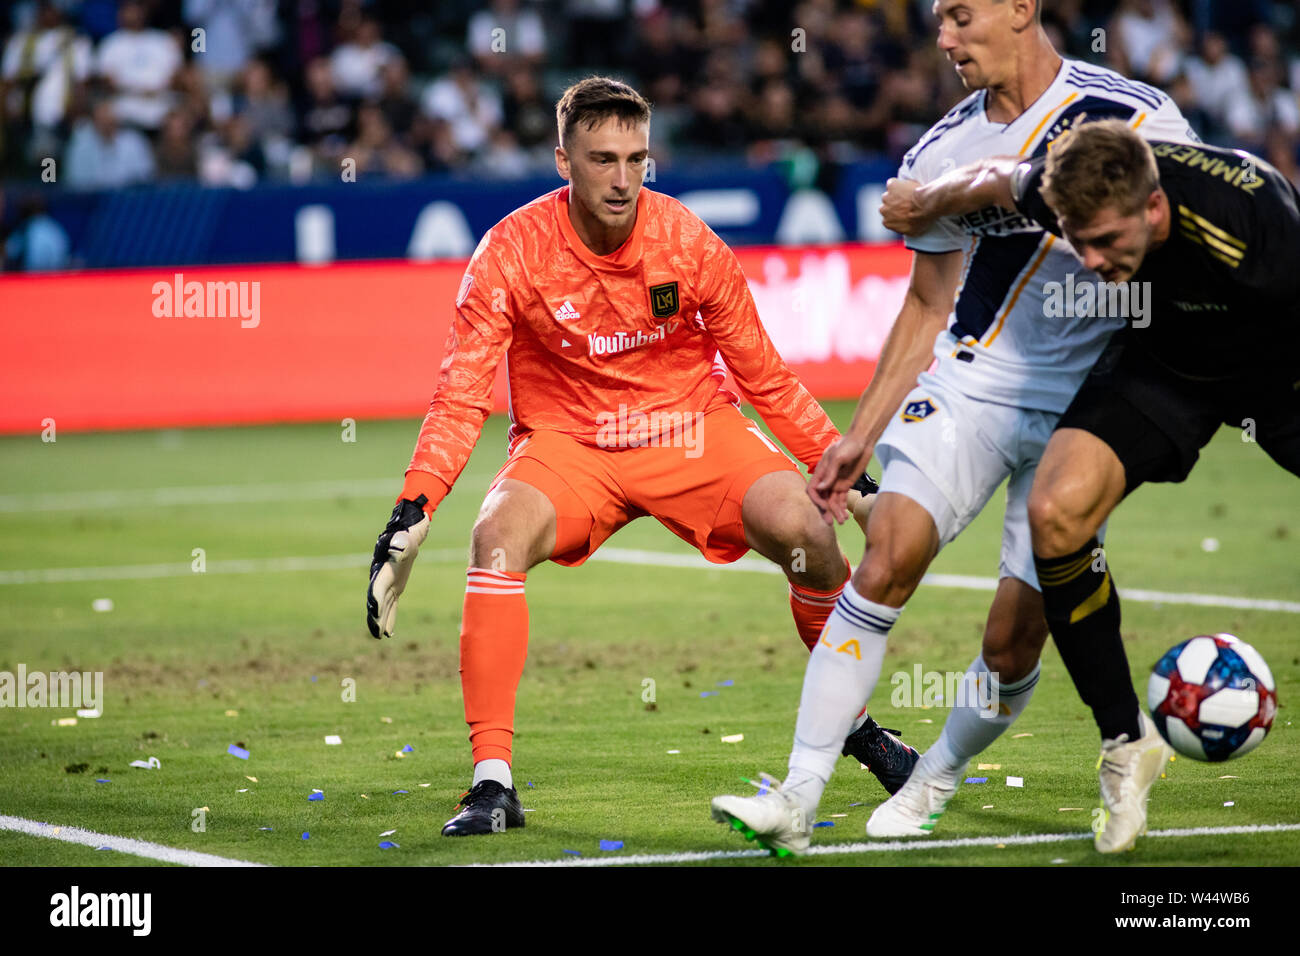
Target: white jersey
pixel 1002 345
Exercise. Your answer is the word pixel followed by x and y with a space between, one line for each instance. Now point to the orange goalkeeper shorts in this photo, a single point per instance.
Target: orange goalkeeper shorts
pixel 693 482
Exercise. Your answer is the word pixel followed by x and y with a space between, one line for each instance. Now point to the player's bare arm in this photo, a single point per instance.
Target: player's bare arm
pixel 907 353
pixel 910 208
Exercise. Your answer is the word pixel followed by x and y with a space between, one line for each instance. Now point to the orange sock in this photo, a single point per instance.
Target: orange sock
pixel 493 647
pixel 811 609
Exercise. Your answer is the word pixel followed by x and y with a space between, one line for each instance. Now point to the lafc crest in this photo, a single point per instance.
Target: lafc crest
pixel 664 300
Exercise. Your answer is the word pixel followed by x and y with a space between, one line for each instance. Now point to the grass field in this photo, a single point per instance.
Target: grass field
pixel 258 650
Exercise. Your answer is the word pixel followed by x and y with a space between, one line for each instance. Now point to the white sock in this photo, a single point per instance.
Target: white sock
pixel 494 769
pixel 970 729
pixel 842 672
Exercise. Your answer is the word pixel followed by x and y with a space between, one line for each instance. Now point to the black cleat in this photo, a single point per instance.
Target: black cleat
pixel 487 808
pixel 866 485
pixel 883 753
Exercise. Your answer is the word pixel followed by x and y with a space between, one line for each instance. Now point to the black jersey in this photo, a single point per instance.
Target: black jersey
pixel 1225 286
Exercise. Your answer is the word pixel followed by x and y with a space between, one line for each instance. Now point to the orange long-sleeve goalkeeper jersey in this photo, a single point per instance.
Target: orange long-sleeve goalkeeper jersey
pixel 587 337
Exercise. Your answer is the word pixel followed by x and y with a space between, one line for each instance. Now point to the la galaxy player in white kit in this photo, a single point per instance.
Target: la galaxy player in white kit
pixel 1005 372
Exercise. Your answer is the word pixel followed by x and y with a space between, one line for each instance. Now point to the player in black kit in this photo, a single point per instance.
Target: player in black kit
pixel 1213 238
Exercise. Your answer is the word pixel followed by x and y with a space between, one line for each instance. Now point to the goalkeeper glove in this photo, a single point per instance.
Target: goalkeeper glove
pixel 390 567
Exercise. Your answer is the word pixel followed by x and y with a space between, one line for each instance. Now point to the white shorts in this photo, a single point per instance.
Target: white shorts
pixel 949 453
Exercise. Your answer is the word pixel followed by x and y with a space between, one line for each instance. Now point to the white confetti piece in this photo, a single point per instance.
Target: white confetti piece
pixel 64 722
pixel 89 714
pixel 1068 809
pixel 1018 736
pixel 232 713
pixel 674 751
pixel 314 790
pixel 247 777
pixel 1210 545
pixel 102 605
pixel 426 785
pixel 333 739
pixel 388 833
pixel 733 738
pixel 245 790
pixel 925 720
pixel 839 814
pixel 1059 859
pixel 987 806
pixel 1015 781
pixel 386 720
pixel 1229 776
pixel 1230 803
pixel 153 763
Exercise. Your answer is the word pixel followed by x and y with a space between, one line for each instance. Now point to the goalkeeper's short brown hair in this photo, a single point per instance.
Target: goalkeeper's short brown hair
pixel 595 99
pixel 1098 165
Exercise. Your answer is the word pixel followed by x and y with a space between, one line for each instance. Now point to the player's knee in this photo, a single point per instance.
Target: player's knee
pixel 1056 528
pixel 888 574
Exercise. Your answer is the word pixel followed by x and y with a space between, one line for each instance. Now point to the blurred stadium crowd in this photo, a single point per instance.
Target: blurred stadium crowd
pixel 233 92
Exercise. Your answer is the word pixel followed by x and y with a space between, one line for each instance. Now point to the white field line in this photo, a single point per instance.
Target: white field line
pixel 660 559
pixel 893 846
pixel 152 851
pixel 200 495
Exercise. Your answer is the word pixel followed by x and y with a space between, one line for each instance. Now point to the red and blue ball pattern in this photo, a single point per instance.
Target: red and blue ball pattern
pixel 1212 697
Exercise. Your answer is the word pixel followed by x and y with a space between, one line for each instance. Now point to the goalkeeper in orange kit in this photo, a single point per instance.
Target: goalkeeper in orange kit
pixel 614 308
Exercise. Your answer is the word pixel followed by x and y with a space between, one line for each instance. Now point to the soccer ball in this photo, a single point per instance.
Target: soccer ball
pixel 1212 697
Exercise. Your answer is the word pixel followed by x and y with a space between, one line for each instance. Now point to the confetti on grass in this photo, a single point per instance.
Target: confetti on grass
pixel 232 713
pixel 408 749
pixel 317 796
pixel 572 852
pixel 1230 803
pixel 389 845
pixel 824 823
pixel 306 835
pixel 674 751
pixel 1015 781
pixel 611 844
pixel 708 693
pixel 977 779
pixel 726 683
pixel 333 740
pixel 989 766
pixel 101 780
pixel 732 738
pixel 401 791
pixel 239 752
pixel 388 833
pixel 1018 736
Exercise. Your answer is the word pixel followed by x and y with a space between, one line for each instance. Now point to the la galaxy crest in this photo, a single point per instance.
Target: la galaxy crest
pixel 919 410
pixel 664 300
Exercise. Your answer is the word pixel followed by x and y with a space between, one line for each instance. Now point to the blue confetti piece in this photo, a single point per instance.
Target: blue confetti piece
pixel 266 828
pixel 726 683
pixel 824 823
pixel 101 780
pixel 103 848
pixel 572 852
pixel 306 835
pixel 855 804
pixel 401 791
pixel 239 752
pixel 708 693
pixel 313 678
pixel 317 796
pixel 611 844
pixel 389 845
pixel 408 749
pixel 530 783
pixel 762 790
pixel 977 779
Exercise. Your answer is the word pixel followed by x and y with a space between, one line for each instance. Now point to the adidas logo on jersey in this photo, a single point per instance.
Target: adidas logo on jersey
pixel 566 312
